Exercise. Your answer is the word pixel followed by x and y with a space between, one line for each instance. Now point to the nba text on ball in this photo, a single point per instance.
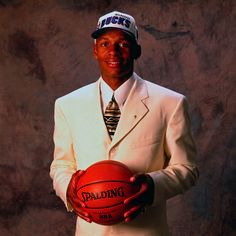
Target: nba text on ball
pixel 110 193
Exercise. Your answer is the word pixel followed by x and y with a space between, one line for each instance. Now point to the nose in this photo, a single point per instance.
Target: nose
pixel 114 49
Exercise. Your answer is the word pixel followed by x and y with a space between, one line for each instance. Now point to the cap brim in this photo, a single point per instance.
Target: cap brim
pixel 97 33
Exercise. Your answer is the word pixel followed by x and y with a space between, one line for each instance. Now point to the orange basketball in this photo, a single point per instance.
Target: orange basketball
pixel 103 188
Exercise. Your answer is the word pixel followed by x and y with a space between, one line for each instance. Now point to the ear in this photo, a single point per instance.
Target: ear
pixel 137 51
pixel 95 51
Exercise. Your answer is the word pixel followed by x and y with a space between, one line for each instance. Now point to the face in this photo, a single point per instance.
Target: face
pixel 114 53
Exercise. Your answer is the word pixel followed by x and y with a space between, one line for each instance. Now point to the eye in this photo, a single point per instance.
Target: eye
pixel 104 44
pixel 124 44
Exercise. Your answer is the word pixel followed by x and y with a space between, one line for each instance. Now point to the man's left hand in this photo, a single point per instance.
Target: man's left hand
pixel 142 198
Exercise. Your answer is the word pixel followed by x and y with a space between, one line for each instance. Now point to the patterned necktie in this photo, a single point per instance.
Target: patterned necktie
pixel 112 116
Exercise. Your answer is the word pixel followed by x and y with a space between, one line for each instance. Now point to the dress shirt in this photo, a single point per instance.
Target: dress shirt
pixel 120 93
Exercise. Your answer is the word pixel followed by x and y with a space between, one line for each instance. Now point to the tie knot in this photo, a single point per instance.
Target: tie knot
pixel 113 105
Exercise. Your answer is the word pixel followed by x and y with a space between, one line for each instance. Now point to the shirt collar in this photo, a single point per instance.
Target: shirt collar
pixel 120 93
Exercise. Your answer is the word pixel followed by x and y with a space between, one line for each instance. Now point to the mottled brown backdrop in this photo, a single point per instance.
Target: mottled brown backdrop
pixel 45 52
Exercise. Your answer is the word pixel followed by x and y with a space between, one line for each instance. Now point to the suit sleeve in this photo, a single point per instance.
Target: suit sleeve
pixel 63 165
pixel 181 171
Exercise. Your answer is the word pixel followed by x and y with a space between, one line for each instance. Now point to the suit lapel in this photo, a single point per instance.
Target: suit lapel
pixel 133 112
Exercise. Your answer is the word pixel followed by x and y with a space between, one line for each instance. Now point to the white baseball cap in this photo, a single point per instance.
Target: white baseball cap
pixel 117 20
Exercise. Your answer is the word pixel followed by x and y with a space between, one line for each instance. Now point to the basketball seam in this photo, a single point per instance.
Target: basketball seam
pixel 102 181
pixel 117 204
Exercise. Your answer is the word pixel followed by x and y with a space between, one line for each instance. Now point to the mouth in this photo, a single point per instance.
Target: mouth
pixel 114 64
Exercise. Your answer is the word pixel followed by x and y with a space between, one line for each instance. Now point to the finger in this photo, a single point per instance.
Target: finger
pixel 132 213
pixel 137 195
pixel 75 177
pixel 80 211
pixel 73 198
pixel 138 178
pixel 77 202
pixel 87 218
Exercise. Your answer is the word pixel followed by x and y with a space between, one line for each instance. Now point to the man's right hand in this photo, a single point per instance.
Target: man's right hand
pixel 77 205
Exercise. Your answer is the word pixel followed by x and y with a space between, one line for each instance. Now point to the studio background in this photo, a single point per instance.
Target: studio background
pixel 46 52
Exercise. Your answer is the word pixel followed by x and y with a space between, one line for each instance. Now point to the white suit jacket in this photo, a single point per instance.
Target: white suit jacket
pixel 153 136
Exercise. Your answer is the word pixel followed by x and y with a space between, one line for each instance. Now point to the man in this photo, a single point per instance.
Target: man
pixel 152 137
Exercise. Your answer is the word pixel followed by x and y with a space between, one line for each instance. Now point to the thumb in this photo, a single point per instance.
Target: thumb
pixel 78 173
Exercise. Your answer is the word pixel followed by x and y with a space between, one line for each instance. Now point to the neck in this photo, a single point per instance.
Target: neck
pixel 116 82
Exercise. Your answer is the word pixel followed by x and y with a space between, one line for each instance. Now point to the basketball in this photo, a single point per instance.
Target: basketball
pixel 103 188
